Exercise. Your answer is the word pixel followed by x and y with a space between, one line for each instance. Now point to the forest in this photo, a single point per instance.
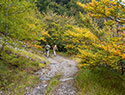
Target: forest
pixel 91 33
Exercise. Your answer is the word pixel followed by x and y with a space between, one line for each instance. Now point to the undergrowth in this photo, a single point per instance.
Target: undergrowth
pixel 99 81
pixel 17 69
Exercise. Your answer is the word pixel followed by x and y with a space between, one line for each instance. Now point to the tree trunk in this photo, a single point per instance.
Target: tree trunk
pixel 122 68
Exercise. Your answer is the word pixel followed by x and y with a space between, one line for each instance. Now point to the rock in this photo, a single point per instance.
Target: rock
pixel 18 56
pixel 31 59
pixel 43 62
pixel 45 85
pixel 52 63
pixel 66 79
pixel 38 87
pixel 0 38
pixel 44 78
pixel 27 88
pixel 1 92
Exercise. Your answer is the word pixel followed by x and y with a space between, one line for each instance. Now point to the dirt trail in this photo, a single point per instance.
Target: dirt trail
pixel 61 65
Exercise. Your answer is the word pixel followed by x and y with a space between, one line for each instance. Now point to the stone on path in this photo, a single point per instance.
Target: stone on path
pixel 62 80
pixel 58 64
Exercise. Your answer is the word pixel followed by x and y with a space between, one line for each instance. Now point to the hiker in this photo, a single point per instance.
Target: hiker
pixel 54 49
pixel 47 47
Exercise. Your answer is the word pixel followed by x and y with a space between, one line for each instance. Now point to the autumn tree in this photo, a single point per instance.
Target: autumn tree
pixel 20 20
pixel 110 42
pixel 110 9
pixel 55 27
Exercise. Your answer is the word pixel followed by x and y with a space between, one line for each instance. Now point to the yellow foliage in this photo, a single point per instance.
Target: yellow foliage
pixel 123 56
pixel 104 8
pixel 43 39
pixel 70 46
pixel 80 33
pixel 82 5
pixel 45 33
pixel 82 65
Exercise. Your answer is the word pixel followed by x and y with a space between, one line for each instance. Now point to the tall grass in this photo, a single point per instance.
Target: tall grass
pixel 17 69
pixel 99 81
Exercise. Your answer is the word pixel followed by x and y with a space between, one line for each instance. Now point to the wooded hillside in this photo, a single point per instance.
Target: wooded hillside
pixel 91 30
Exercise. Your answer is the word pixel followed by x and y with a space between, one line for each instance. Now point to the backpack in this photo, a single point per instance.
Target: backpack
pixel 55 47
pixel 47 47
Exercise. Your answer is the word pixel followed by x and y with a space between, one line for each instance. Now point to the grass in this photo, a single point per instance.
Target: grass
pixel 70 56
pixel 65 54
pixel 54 83
pixel 17 69
pixel 27 54
pixel 99 81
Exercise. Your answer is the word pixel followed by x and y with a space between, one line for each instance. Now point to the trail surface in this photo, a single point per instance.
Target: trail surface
pixel 58 64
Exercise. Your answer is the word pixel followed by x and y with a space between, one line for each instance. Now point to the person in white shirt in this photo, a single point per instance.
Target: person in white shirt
pixel 54 49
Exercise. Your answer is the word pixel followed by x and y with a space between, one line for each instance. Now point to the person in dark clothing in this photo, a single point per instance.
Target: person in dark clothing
pixel 47 47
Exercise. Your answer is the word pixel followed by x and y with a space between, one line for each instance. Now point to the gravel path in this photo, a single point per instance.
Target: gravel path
pixel 58 64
